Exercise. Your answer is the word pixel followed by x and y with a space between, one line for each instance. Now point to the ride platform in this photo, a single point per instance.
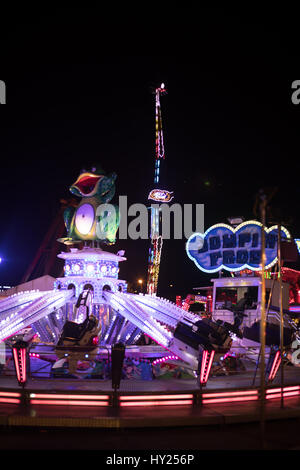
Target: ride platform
pixel 138 403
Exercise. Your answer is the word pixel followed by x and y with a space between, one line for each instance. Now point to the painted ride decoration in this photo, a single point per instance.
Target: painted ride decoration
pixel 90 220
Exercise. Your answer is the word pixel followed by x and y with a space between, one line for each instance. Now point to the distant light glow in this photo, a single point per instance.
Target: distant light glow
pixel 161 195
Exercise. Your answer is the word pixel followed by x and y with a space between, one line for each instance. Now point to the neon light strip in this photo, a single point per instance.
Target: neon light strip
pixel 15 353
pixel 69 402
pixel 296 387
pixel 285 389
pixel 285 394
pixel 157 403
pixel 227 394
pixel 9 400
pixel 205 368
pixel 273 390
pixel 203 365
pixel 23 367
pixel 10 394
pixel 209 365
pixel 230 400
pixel 69 397
pixel 275 365
pixel 155 397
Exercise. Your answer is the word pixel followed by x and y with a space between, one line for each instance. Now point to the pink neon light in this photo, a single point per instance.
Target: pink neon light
pixel 228 394
pixel 290 394
pixel 69 402
pixel 285 389
pixel 23 361
pixel 285 394
pixel 155 397
pixel 163 359
pixel 297 387
pixel 15 353
pixel 69 397
pixel 226 400
pixel 274 390
pixel 9 400
pixel 10 394
pixel 275 365
pixel 157 403
pixel 276 395
pixel 205 367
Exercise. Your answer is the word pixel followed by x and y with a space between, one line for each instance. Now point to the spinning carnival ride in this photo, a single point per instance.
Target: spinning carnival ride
pixel 90 308
pixel 58 317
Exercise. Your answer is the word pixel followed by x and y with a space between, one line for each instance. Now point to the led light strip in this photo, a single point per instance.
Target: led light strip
pixel 10 397
pixel 275 366
pixel 231 399
pixel 155 397
pixel 230 394
pixel 10 394
pixel 207 360
pixel 156 403
pixel 10 400
pixel 69 402
pixel 228 397
pixel 291 391
pixel 69 397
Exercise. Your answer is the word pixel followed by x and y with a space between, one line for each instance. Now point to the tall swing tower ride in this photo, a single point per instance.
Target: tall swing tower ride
pixel 158 196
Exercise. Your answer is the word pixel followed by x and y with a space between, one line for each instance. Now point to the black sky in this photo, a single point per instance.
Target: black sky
pixel 78 92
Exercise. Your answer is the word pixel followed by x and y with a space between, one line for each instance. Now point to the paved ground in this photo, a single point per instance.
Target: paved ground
pixel 280 435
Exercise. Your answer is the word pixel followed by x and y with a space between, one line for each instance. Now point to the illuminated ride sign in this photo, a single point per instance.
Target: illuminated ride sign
pixel 233 249
pixel 161 195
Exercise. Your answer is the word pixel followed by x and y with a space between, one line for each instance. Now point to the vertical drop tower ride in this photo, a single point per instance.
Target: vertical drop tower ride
pixel 156 195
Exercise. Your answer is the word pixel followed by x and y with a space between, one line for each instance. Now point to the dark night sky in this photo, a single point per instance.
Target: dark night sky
pixel 78 93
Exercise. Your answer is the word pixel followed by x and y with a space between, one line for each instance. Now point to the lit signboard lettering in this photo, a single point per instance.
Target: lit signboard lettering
pixel 233 249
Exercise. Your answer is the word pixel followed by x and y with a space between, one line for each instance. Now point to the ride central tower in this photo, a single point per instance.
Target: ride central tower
pixel 158 195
